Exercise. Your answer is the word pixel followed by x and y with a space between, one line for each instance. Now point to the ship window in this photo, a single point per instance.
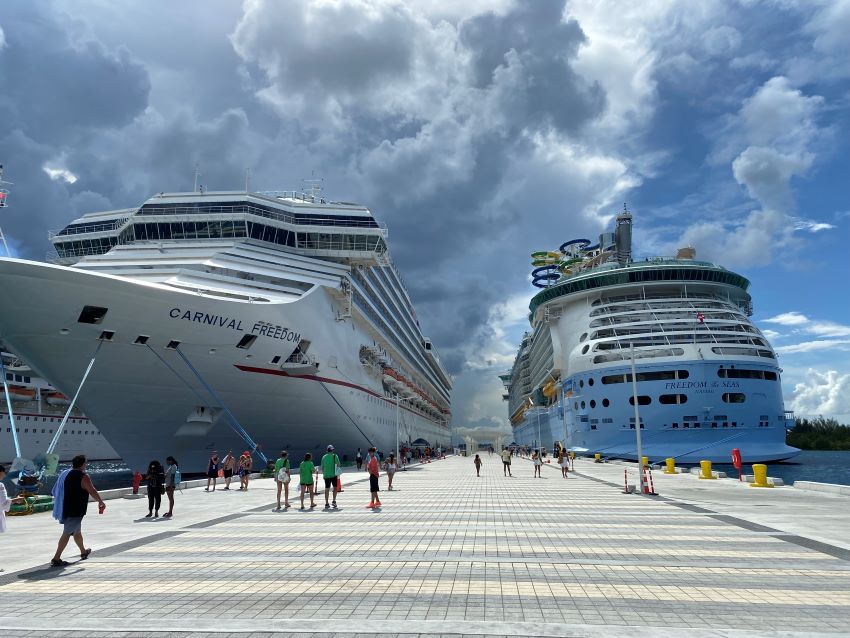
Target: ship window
pixel 585 349
pixel 141 340
pixel 673 398
pixel 689 418
pixel 675 426
pixel 642 400
pixel 714 424
pixel 18 378
pixel 769 376
pixel 107 335
pixel 605 403
pixel 581 383
pixel 172 345
pixel 582 337
pixel 592 403
pixel 246 342
pixel 92 314
pixel 590 381
pixel 26 379
pixel 733 397
pixel 582 405
pixel 275 359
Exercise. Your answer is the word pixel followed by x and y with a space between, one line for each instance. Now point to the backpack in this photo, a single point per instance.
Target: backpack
pixel 178 478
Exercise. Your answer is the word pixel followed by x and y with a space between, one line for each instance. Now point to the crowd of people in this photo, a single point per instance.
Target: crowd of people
pixel 537 456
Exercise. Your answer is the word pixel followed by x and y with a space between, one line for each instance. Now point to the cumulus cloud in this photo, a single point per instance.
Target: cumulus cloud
pixel 822 393
pixel 788 319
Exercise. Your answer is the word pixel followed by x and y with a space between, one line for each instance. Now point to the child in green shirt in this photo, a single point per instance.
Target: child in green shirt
pixel 306 471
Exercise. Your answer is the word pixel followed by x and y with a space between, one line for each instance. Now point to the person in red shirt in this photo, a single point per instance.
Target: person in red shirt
pixel 373 467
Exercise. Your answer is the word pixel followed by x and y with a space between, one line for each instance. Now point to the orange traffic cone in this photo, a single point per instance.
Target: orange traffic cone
pixel 339 484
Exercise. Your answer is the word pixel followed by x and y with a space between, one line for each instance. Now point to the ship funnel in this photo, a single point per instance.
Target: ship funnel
pixel 623 237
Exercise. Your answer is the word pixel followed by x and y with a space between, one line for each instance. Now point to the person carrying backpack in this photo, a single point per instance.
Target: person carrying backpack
pixel 282 477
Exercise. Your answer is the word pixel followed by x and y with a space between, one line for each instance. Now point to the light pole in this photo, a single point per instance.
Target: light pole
pixel 398 400
pixel 637 419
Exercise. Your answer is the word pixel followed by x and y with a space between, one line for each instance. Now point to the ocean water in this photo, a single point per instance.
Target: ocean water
pixel 809 465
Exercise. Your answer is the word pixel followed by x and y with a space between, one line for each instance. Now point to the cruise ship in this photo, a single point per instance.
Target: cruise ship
pixel 707 379
pixel 37 410
pixel 230 320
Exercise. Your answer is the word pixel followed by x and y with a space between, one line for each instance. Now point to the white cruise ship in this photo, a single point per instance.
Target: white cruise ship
pixel 276 315
pixel 38 409
pixel 707 379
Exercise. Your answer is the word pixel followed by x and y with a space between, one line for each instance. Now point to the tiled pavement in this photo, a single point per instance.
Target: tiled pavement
pixel 447 554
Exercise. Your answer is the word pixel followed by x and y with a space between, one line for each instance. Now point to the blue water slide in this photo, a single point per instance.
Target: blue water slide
pixel 545 275
pixel 582 243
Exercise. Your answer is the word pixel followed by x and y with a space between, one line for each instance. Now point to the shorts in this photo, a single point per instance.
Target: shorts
pixel 72 525
pixel 373 483
pixel 330 481
pixel 306 485
pixel 506 463
pixel 228 473
pixel 212 473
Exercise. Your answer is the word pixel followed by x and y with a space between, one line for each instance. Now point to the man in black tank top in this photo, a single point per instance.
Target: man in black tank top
pixel 77 489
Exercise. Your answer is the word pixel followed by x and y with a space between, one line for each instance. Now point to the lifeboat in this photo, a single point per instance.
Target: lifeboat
pixel 549 390
pixel 20 394
pixel 57 398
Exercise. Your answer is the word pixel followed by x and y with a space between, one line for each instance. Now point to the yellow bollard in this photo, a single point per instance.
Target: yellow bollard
pixel 597 458
pixel 760 475
pixel 705 470
pixel 645 460
pixel 671 466
pixel 572 455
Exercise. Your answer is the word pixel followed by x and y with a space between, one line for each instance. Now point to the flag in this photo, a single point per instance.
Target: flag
pixel 700 317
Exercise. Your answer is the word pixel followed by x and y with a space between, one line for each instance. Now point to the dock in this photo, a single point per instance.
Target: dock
pixel 447 554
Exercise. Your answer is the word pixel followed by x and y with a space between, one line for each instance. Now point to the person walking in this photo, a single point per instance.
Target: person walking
pixel 358 458
pixel 373 467
pixel 245 465
pixel 391 466
pixel 330 472
pixel 564 462
pixel 477 462
pixel 506 462
pixel 212 471
pixel 228 467
pixel 74 487
pixel 305 471
pixel 5 502
pixel 155 480
pixel 172 481
pixel 538 463
pixel 282 475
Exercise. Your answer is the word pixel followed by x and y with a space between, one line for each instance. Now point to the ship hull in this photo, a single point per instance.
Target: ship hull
pixel 146 399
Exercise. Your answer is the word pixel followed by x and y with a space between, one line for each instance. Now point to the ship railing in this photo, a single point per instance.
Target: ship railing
pixel 86 229
pixel 301 359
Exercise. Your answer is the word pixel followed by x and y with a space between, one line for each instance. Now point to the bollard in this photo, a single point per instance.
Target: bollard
pixel 648 487
pixel 705 470
pixel 760 476
pixel 671 466
pixel 597 458
pixel 644 461
pixel 626 480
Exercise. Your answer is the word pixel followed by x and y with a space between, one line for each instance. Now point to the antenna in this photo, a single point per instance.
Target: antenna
pixel 3 193
pixel 197 175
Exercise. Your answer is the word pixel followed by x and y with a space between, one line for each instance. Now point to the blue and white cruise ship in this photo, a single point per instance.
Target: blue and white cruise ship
pixel 220 317
pixel 708 381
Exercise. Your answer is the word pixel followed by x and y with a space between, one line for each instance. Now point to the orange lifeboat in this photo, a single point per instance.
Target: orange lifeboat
pixel 58 399
pixel 20 393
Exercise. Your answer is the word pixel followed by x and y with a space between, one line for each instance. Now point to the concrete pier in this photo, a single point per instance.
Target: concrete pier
pixel 447 554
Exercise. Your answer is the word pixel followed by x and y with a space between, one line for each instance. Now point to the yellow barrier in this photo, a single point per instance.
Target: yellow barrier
pixel 572 455
pixel 645 460
pixel 597 458
pixel 671 466
pixel 705 470
pixel 760 475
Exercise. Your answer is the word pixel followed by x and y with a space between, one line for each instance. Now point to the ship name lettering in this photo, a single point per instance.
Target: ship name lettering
pixel 275 332
pixel 684 385
pixel 206 318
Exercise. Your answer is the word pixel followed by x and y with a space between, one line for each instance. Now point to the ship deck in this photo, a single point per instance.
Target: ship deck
pixel 448 553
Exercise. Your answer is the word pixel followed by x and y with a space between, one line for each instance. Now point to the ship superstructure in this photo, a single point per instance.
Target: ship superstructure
pixel 708 380
pixel 287 307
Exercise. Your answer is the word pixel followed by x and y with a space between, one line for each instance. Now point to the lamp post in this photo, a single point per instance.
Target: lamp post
pixel 637 418
pixel 398 400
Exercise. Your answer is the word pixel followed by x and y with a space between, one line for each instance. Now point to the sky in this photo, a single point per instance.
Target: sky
pixel 479 132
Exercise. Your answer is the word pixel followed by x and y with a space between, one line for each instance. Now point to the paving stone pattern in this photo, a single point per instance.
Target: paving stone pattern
pixel 445 549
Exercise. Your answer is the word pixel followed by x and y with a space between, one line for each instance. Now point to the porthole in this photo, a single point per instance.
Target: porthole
pixel 575 405
pixel 592 403
pixel 582 337
pixel 605 403
pixel 585 349
pixel 590 381
pixel 582 405
pixel 581 383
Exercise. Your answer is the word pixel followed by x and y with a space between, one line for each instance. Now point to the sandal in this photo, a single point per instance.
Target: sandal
pixel 85 554
pixel 54 562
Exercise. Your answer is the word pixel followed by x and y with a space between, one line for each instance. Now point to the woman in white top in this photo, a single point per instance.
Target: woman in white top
pixel 5 502
pixel 538 463
pixel 391 467
pixel 565 462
